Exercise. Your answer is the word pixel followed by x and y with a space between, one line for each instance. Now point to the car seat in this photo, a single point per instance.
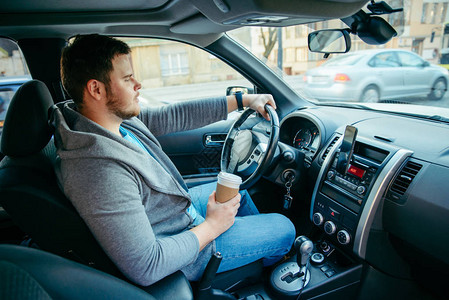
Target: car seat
pixel 30 194
pixel 29 273
pixel 28 188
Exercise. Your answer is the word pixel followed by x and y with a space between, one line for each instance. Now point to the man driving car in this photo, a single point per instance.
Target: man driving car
pixel 112 168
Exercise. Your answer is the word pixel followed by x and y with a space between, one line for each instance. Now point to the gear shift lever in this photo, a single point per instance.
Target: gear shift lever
pixel 303 247
pixel 290 278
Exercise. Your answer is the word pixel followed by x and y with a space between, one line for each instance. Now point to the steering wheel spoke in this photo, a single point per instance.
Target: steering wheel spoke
pixel 248 166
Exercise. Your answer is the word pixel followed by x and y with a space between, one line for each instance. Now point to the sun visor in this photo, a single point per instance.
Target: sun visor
pixel 199 24
pixel 275 13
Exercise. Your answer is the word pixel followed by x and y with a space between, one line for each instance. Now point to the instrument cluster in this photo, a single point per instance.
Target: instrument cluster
pixel 302 134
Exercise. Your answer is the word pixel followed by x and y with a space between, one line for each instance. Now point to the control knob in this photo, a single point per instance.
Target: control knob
pixel 361 189
pixel 318 219
pixel 330 175
pixel 317 258
pixel 343 237
pixel 329 227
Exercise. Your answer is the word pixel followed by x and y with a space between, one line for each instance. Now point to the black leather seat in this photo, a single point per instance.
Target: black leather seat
pixel 30 194
pixel 28 187
pixel 28 273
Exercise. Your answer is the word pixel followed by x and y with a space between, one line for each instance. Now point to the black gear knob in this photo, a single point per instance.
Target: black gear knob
pixel 303 246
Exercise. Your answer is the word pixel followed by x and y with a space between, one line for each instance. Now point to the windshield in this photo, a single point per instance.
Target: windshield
pixel 408 74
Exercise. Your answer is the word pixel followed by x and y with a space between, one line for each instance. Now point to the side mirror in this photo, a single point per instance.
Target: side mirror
pixel 425 64
pixel 329 41
pixel 234 89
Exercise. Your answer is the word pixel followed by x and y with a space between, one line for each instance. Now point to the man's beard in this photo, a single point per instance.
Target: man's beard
pixel 114 104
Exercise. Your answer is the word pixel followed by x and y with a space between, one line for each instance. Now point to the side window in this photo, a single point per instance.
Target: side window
pixel 383 60
pixel 172 71
pixel 13 73
pixel 410 60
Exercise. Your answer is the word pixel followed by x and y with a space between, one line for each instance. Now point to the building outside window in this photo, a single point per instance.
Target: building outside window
pixel 174 61
pixel 424 13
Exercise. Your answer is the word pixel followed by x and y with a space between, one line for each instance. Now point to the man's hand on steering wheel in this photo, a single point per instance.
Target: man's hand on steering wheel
pixel 257 102
pixel 254 101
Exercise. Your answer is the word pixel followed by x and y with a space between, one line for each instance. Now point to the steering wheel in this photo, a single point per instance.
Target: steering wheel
pixel 247 153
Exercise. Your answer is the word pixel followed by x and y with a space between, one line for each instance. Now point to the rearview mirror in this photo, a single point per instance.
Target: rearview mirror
pixel 329 41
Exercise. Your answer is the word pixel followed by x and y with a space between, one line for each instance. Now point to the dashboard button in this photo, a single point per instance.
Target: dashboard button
pixel 330 273
pixel 288 156
pixel 335 214
pixel 325 268
pixel 361 190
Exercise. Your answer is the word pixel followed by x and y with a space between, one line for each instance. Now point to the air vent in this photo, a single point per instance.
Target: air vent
pixel 323 157
pixel 405 177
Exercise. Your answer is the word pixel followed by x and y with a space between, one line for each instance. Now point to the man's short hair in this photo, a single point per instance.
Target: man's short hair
pixel 89 57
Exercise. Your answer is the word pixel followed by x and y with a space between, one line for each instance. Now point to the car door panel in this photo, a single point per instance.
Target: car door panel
pixel 197 151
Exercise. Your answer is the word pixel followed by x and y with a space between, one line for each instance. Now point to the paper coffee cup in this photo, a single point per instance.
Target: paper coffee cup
pixel 227 186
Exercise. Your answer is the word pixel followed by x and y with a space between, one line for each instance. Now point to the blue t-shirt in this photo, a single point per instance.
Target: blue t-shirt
pixel 129 136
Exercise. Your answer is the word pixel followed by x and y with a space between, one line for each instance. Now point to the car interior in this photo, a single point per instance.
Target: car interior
pixel 366 189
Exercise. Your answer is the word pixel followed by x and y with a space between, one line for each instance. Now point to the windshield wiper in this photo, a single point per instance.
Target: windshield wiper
pixel 361 106
pixel 435 117
pixel 426 117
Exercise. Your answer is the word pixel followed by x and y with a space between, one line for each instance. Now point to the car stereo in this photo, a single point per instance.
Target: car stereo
pixel 349 174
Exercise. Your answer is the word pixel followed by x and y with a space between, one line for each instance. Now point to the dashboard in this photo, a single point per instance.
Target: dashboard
pixel 391 208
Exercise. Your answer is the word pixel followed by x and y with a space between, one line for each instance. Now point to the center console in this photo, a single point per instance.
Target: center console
pixel 353 178
pixel 318 270
pixel 342 195
pixel 350 185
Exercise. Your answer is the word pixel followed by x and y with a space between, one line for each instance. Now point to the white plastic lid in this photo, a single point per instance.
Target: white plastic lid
pixel 229 180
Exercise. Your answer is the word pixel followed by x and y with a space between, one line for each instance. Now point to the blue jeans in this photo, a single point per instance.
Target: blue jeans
pixel 253 236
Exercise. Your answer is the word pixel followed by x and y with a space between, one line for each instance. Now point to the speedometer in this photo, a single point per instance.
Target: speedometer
pixel 302 138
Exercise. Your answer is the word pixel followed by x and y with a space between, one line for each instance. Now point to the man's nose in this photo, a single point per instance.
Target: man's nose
pixel 137 86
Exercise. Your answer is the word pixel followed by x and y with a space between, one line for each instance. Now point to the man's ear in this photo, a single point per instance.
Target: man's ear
pixel 96 89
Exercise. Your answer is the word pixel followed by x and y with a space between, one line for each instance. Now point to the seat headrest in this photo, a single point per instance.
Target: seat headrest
pixel 26 130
